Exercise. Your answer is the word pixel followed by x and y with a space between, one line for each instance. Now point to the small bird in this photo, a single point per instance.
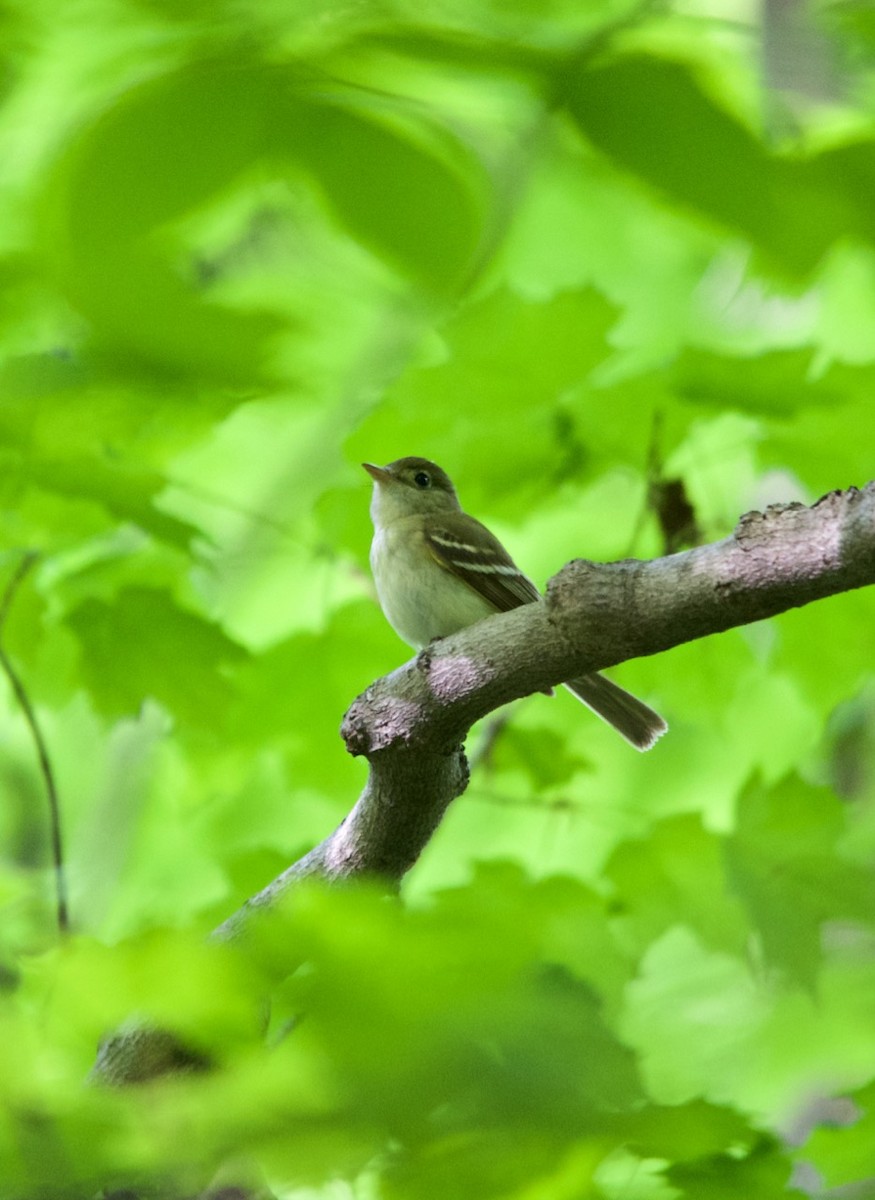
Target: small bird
pixel 438 570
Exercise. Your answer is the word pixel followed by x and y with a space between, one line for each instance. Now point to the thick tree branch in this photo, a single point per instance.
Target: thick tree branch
pixel 410 725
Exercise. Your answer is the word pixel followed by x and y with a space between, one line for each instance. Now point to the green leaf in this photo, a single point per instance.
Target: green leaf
pixel 800 444
pixel 143 645
pixel 653 118
pixel 124 491
pixel 405 188
pixel 160 150
pixel 278 700
pixel 694 1016
pixel 540 753
pixel 777 384
pixel 846 1153
pixel 167 149
pixel 687 1132
pixel 762 1175
pixel 784 865
pixel 505 360
pixel 676 875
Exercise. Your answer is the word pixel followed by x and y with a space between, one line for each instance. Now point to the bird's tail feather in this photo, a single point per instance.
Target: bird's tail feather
pixel 631 718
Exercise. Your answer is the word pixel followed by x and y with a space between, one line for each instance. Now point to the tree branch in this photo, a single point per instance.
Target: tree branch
pixel 410 725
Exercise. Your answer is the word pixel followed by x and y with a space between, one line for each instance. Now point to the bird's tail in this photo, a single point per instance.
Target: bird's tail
pixel 637 723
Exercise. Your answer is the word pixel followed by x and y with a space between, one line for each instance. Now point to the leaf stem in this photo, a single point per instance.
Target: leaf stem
pixel 45 764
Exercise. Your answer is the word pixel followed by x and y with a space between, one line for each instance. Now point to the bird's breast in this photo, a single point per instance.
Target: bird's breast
pixel 420 599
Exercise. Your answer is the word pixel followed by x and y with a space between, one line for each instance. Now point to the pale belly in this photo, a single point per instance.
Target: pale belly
pixel 431 603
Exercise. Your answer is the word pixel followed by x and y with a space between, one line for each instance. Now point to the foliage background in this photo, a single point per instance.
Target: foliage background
pixel 571 251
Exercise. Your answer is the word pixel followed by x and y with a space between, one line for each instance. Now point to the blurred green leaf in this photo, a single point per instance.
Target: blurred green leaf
pixel 845 1153
pixel 676 875
pixel 279 699
pixel 128 494
pixel 144 645
pixel 654 119
pixel 695 1016
pixel 407 189
pixel 157 152
pixel 167 148
pixel 762 1175
pixel 504 360
pixel 784 867
pixel 777 384
pixel 696 1130
pixel 540 753
pixel 242 251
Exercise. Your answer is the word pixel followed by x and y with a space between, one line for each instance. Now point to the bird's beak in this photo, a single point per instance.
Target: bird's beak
pixel 378 474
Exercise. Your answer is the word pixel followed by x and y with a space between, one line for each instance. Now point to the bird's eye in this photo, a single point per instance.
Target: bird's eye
pixel 422 479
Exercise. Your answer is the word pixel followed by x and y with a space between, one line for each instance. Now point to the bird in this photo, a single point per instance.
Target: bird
pixel 438 570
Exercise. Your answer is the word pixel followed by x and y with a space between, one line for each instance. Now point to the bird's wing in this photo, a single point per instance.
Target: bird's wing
pixel 463 546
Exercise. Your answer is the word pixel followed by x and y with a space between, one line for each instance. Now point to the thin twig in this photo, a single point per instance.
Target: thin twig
pixel 14 583
pixel 39 741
